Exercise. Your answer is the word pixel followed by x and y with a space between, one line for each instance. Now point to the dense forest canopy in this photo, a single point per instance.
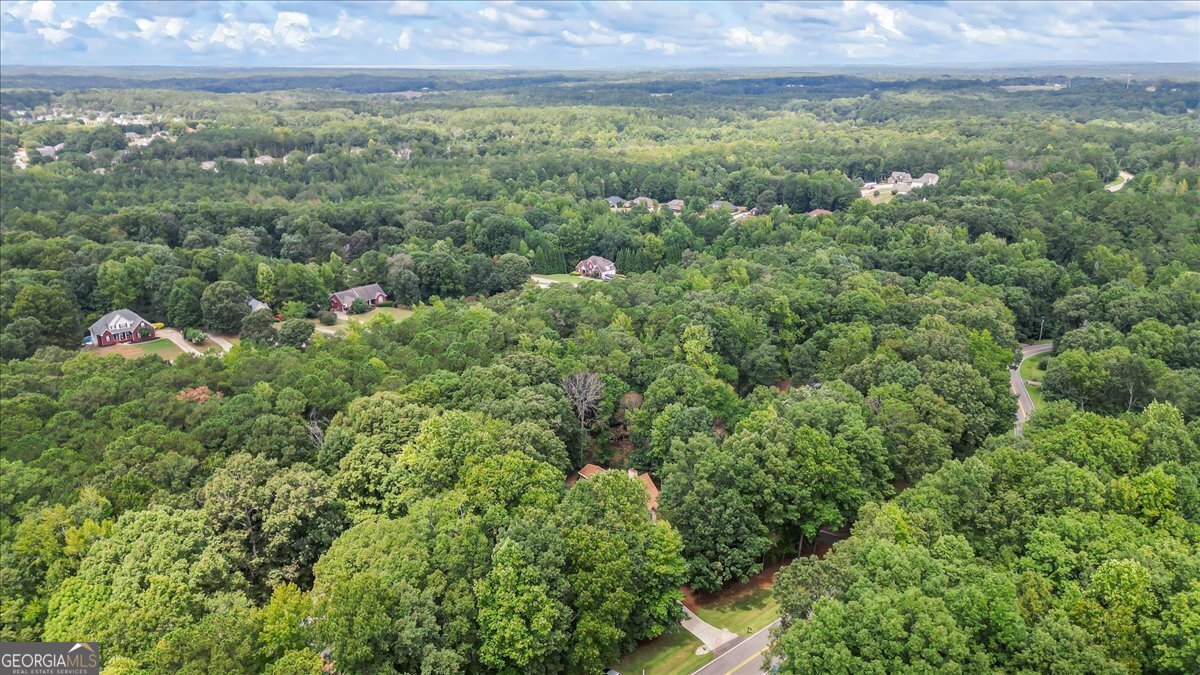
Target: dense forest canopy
pixel 391 495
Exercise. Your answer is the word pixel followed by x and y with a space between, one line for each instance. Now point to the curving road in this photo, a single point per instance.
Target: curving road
pixel 746 657
pixel 1024 403
pixel 1123 178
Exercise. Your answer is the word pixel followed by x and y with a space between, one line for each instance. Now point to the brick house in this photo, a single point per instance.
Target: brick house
pixel 598 267
pixel 120 325
pixel 371 294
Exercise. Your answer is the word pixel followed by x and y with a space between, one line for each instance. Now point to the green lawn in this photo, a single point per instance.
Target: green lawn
pixel 746 614
pixel 397 313
pixel 673 653
pixel 160 347
pixel 1034 368
pixel 565 278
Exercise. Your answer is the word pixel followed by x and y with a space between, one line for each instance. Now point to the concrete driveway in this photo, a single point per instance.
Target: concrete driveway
pixel 177 338
pixel 710 635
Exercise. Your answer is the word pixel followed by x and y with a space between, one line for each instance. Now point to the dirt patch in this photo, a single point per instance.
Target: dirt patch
pixel 126 349
pixel 764 579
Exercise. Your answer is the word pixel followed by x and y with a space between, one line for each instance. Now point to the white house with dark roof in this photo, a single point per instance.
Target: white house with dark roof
pixel 372 294
pixel 120 325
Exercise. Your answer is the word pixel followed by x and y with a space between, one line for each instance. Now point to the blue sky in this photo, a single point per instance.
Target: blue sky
pixel 592 34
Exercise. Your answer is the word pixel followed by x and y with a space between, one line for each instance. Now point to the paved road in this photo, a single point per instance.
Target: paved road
pixel 1024 402
pixel 1125 178
pixel 744 658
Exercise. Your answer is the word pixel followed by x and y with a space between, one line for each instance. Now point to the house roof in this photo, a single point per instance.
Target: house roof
pixel 675 203
pixel 928 178
pixel 597 260
pixel 103 322
pixel 367 292
pixel 615 201
pixel 256 304
pixel 591 471
pixel 721 204
pixel 818 212
pixel 651 488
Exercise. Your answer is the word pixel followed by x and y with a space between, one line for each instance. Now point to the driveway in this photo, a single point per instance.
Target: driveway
pixel 1024 402
pixel 1125 177
pixel 743 658
pixel 710 635
pixel 177 338
pixel 221 342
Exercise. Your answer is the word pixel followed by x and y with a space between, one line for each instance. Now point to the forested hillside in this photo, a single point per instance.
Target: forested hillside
pixel 401 493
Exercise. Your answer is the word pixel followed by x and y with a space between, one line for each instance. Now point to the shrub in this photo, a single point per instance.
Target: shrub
pixel 327 317
pixel 359 306
pixel 144 331
pixel 194 335
pixel 386 303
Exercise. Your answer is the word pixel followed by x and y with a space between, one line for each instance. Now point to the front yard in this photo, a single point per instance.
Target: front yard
pixel 160 347
pixel 1033 371
pixel 672 653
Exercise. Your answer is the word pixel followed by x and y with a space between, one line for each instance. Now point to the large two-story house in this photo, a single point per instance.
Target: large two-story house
pixel 120 325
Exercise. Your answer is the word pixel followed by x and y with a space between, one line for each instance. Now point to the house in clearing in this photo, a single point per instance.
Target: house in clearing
pixel 818 212
pixel 593 470
pixel 371 294
pixel 900 177
pixel 722 204
pixel 120 325
pixel 598 267
pixel 256 304
pixel 615 203
pixel 676 205
pixel 742 215
pixel 926 179
pixel 642 201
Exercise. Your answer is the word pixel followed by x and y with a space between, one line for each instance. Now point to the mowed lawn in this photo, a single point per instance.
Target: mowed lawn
pixel 744 614
pixel 1033 369
pixel 672 653
pixel 397 314
pixel 564 278
pixel 161 347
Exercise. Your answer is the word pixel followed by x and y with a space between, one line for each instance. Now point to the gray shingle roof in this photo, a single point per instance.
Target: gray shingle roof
pixel 368 292
pixel 102 323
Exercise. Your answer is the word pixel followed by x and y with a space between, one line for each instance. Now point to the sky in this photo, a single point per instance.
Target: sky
pixel 518 34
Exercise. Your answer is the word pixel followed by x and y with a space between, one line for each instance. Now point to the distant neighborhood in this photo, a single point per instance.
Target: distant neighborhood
pixel 899 183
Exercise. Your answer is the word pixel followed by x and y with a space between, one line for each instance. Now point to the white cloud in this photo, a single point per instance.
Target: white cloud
pixel 292 29
pixel 41 11
pixel 348 26
pixel 472 45
pixel 160 27
pixel 236 35
pixel 103 13
pixel 597 36
pixel 885 17
pixel 661 46
pixel 409 8
pixel 405 40
pixel 57 35
pixel 988 36
pixel 767 42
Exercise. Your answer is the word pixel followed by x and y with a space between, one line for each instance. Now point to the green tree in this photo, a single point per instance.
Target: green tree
pixel 224 305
